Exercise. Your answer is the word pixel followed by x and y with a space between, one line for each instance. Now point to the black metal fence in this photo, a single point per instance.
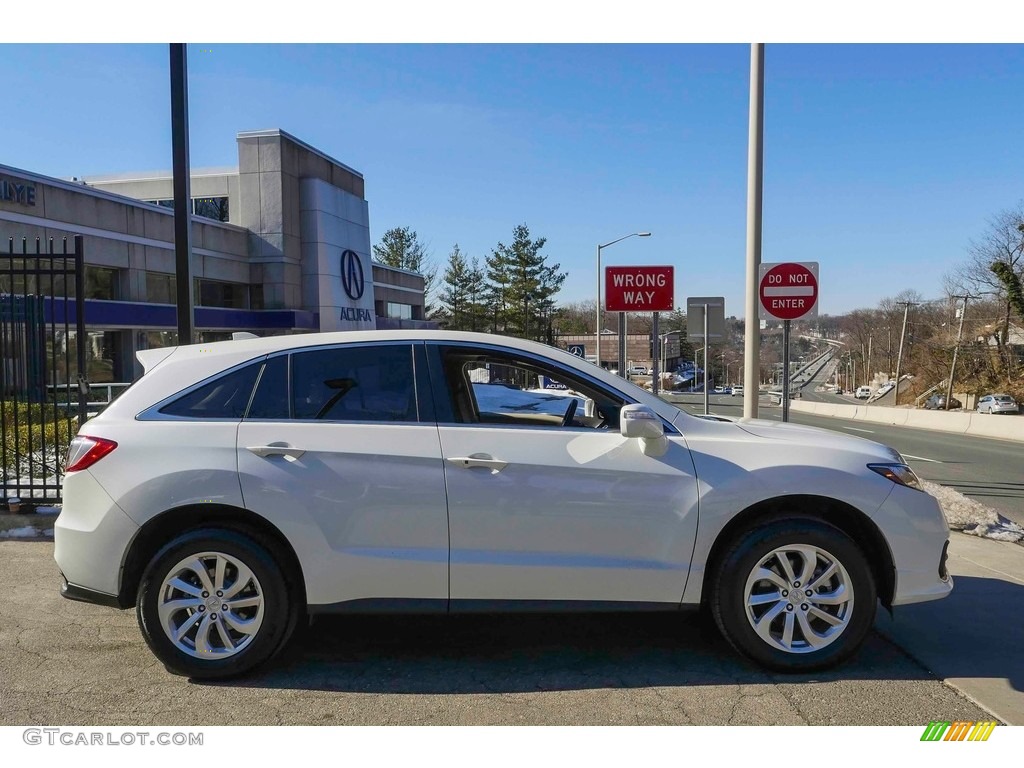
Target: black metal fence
pixel 42 365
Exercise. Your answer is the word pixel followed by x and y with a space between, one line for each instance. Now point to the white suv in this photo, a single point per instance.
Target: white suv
pixel 240 485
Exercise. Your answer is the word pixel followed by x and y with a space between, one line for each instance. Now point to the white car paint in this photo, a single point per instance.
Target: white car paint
pixel 370 509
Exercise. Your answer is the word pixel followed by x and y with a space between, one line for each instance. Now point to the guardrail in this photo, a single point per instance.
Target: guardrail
pixel 1006 427
pixel 66 395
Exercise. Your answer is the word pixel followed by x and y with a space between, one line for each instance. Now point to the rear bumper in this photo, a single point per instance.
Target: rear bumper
pixel 83 595
pixel 91 538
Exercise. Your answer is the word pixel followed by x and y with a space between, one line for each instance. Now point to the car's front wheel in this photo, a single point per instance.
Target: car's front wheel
pixel 794 595
pixel 214 603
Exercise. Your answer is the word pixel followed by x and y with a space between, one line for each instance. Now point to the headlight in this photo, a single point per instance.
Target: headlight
pixel 898 473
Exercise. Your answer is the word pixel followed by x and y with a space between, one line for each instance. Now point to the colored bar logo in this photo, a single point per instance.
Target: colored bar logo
pixel 960 730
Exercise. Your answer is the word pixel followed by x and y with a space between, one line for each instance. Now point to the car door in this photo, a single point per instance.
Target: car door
pixel 340 450
pixel 548 508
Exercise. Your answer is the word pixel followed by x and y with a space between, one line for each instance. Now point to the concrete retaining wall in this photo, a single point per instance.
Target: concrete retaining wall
pixel 1006 427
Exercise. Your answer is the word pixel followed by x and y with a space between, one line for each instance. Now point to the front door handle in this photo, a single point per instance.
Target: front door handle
pixel 276 449
pixel 479 460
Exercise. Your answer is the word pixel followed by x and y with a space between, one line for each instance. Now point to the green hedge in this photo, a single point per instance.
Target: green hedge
pixel 50 429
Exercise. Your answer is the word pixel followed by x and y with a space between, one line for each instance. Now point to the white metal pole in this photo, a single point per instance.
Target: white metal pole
pixel 597 318
pixel 755 167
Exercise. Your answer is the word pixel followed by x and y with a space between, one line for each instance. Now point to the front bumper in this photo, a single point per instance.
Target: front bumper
pixel 918 537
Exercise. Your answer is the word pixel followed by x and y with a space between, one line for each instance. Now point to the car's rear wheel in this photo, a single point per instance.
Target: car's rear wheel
pixel 214 603
pixel 794 595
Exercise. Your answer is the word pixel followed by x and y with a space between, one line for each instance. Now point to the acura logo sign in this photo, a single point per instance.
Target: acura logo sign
pixel 352 279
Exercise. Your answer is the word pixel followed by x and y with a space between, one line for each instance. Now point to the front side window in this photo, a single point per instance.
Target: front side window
pixel 368 383
pixel 494 388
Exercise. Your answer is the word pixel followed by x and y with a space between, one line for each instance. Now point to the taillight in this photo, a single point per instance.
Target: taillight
pixel 85 451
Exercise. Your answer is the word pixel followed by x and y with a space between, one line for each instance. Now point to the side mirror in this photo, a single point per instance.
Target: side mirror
pixel 641 422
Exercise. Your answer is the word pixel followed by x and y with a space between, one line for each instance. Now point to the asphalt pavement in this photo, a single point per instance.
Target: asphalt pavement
pixel 71 663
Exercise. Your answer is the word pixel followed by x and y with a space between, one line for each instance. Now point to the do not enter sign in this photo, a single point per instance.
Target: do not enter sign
pixel 789 290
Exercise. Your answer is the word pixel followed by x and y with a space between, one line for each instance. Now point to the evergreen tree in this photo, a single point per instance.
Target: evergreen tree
pixel 476 293
pixel 522 285
pixel 454 296
pixel 400 247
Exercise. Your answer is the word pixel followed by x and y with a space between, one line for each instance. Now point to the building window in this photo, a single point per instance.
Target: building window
pixel 210 293
pixel 102 283
pixel 160 288
pixel 399 311
pixel 215 208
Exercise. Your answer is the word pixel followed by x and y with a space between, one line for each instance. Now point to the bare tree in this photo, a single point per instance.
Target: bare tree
pixel 1002 243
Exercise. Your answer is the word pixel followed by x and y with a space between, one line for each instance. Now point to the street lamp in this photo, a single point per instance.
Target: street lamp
pixel 661 347
pixel 597 324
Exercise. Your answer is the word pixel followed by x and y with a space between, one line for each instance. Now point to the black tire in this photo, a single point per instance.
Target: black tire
pixel 748 551
pixel 279 609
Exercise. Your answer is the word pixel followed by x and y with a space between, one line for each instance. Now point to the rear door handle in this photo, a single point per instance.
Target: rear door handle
pixel 479 460
pixel 276 449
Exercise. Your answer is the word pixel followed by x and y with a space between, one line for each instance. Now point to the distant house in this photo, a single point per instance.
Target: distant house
pixel 991 332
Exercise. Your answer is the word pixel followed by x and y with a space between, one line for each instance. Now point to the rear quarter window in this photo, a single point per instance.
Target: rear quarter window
pixel 225 397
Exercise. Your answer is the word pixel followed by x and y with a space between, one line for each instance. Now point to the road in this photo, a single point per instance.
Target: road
pixel 984 469
pixel 70 663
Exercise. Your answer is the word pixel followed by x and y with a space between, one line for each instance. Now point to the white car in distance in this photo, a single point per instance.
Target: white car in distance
pixel 240 485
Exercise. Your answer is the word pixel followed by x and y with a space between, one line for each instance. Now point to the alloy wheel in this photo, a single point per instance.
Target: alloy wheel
pixel 210 605
pixel 799 598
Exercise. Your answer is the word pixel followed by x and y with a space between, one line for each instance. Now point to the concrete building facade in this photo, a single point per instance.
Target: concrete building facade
pixel 281 244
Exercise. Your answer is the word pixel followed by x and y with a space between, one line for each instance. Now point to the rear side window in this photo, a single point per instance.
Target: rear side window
pixel 271 398
pixel 370 383
pixel 226 397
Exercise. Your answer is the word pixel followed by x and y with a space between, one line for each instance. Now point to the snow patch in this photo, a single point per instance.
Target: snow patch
pixel 27 532
pixel 971 517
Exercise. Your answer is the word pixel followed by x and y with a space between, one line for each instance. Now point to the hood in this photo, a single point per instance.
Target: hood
pixel 725 428
pixel 798 433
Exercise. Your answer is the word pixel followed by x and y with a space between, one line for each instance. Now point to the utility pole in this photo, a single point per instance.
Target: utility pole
pixel 899 357
pixel 867 371
pixel 956 351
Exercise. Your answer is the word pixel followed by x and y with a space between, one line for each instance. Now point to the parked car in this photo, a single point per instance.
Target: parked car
pixel 938 403
pixel 638 370
pixel 863 393
pixel 241 485
pixel 998 404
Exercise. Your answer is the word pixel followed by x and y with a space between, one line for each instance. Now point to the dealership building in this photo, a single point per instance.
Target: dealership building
pixel 280 244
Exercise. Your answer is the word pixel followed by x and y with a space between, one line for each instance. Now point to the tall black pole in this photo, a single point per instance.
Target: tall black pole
pixel 182 192
pixel 83 378
pixel 785 370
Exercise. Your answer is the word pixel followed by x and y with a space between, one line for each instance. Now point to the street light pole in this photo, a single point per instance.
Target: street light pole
pixel 597 309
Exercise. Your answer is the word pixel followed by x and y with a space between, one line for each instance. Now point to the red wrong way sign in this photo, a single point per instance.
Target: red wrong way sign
pixel 639 289
pixel 789 290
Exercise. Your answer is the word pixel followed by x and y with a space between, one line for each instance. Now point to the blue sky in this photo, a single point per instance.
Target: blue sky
pixel 882 162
